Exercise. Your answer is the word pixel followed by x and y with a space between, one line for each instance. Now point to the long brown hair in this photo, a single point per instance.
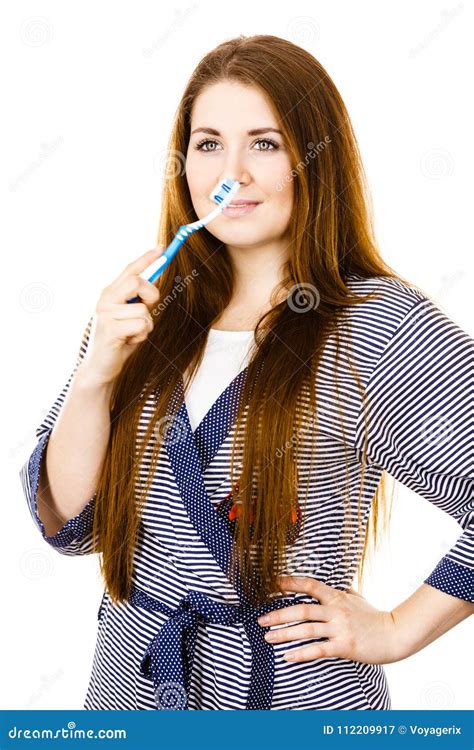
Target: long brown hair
pixel 331 236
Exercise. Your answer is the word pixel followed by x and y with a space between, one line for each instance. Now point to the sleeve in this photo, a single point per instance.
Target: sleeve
pixel 420 427
pixel 75 537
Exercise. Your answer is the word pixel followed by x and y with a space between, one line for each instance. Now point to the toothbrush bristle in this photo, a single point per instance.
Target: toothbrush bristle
pixel 224 191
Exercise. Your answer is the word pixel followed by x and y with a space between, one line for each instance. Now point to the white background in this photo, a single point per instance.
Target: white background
pixel 89 93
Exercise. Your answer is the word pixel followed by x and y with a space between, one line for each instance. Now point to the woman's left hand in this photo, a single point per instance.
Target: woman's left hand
pixel 355 629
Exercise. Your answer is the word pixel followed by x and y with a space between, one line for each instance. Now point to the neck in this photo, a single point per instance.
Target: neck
pixel 257 271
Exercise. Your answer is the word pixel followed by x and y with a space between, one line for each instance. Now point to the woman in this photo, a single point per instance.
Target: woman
pixel 224 440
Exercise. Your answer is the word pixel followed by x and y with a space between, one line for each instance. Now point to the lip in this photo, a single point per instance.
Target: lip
pixel 243 208
pixel 244 202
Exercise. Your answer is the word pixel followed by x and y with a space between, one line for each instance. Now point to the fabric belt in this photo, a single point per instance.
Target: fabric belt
pixel 169 657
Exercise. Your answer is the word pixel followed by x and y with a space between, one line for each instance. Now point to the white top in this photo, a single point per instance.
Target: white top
pixel 225 355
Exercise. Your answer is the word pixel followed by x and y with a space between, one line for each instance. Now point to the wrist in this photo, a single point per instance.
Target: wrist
pixel 409 631
pixel 87 380
pixel 398 641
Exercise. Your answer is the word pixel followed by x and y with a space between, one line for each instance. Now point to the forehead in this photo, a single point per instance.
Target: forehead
pixel 232 107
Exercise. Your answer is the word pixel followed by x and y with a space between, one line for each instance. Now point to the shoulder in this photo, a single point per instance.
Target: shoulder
pixel 369 326
pixel 392 295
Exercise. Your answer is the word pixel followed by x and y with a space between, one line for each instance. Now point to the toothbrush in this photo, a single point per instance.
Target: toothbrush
pixel 222 194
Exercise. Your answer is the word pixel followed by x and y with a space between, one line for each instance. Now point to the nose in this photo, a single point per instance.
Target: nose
pixel 227 174
pixel 236 168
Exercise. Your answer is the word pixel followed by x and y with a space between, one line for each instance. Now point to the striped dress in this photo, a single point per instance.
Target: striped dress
pixel 416 365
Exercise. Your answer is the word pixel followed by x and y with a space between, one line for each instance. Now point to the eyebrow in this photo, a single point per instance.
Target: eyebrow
pixel 255 131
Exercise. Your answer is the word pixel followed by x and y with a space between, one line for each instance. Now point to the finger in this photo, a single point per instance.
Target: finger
pixel 298 612
pixel 139 265
pixel 124 312
pixel 300 632
pixel 139 330
pixel 129 287
pixel 310 653
pixel 316 589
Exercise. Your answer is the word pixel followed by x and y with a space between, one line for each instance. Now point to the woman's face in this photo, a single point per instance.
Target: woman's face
pixel 260 162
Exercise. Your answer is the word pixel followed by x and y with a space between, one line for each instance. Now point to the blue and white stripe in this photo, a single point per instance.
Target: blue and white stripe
pixel 417 368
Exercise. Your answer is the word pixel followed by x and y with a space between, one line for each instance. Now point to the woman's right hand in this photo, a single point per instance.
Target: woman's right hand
pixel 117 326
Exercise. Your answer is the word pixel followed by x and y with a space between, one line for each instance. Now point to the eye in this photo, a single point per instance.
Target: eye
pixel 267 140
pixel 200 146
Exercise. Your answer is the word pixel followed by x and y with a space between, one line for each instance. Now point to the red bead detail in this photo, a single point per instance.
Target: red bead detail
pixel 236 511
pixel 232 513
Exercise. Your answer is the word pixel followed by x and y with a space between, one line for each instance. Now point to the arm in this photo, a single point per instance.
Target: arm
pixel 420 429
pixel 63 512
pixel 75 452
pixel 425 616
pixel 354 629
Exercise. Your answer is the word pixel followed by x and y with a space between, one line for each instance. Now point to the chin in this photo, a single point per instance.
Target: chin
pixel 245 234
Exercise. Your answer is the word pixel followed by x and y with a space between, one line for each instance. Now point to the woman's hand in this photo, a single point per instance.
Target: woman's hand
pixel 118 327
pixel 355 629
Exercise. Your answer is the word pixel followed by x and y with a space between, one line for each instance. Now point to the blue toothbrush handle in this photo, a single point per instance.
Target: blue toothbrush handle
pixel 180 237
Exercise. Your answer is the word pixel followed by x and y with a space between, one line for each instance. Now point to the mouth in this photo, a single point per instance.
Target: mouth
pixel 240 208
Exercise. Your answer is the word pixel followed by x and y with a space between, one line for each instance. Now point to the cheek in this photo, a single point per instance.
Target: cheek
pixel 194 177
pixel 197 178
pixel 277 182
pixel 283 196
